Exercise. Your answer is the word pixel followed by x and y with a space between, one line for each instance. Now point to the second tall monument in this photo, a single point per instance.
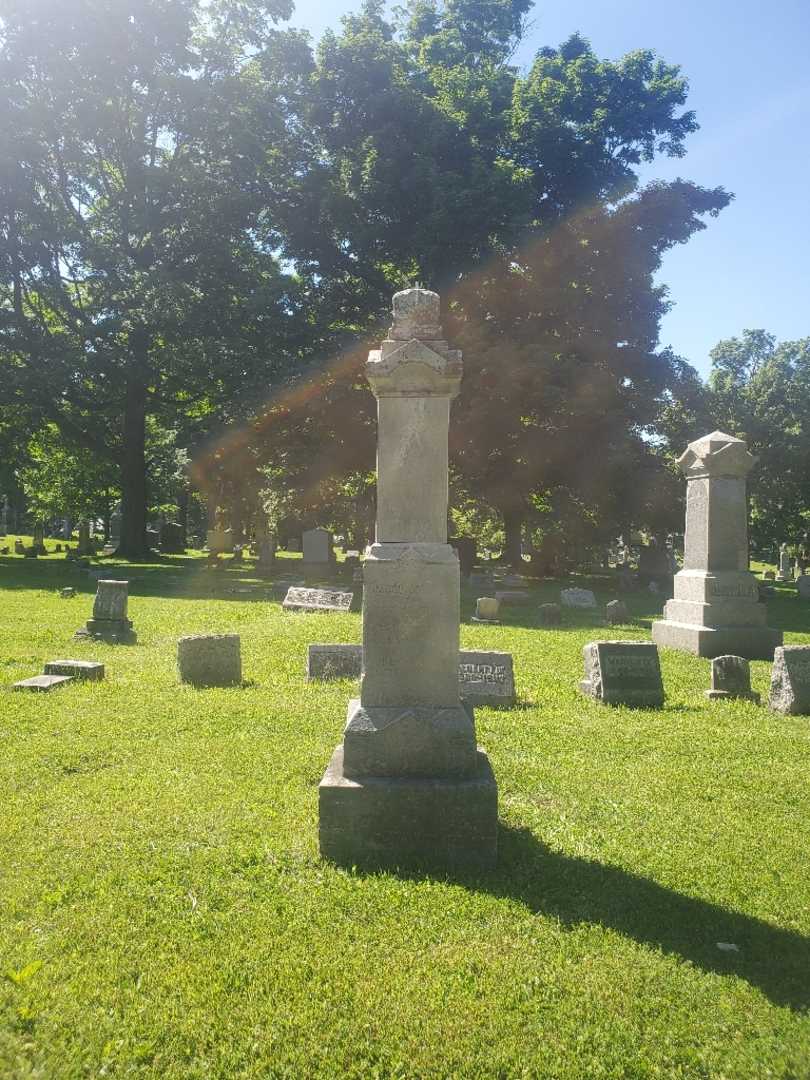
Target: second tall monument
pixel 409 782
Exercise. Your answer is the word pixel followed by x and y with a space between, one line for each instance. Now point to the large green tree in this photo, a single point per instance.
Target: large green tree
pixel 431 158
pixel 137 267
pixel 760 390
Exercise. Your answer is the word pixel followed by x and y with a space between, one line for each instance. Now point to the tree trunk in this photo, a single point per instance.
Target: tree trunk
pixel 133 460
pixel 513 519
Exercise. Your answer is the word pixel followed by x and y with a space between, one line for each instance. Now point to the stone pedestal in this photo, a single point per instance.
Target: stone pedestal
pixel 716 608
pixel 109 622
pixel 785 566
pixel 409 783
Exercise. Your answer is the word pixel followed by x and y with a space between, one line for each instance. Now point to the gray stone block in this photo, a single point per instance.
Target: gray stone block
pixel 731 678
pixel 790 680
pixel 91 670
pixel 616 613
pixel 317 600
pixel 752 642
pixel 486 678
pixel 210 659
pixel 549 615
pixel 42 683
pixel 334 661
pixel 408 740
pixel 514 597
pixel 400 821
pixel 623 673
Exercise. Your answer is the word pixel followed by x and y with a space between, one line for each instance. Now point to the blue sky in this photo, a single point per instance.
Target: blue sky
pixel 749 74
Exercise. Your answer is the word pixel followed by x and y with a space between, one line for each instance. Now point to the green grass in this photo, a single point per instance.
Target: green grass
pixel 164 911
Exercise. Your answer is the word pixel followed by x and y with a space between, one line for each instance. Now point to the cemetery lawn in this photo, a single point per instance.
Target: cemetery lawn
pixel 164 911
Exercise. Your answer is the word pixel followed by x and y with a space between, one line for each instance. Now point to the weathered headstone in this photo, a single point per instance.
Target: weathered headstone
pixel 716 609
pixel 91 670
pixel 486 678
pixel 623 673
pixel 115 527
pixel 487 609
pixel 549 615
pixel 172 538
pixel 769 575
pixel 803 586
pixel 731 678
pixel 42 683
pixel 318 553
pixel 790 680
pixel 38 542
pixel 67 593
pixel 109 622
pixel 19 547
pixel 785 565
pixel 334 661
pixel 317 600
pixel 409 781
pixel 85 545
pixel 577 598
pixel 616 613
pixel 210 659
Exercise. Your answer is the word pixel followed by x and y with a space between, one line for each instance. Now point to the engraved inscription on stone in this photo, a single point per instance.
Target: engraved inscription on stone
pixel 623 673
pixel 317 600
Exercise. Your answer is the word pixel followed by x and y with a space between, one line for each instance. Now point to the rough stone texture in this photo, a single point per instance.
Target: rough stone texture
pixel 85 545
pixel 298 599
pixel 408 781
pixel 803 586
pixel 111 599
pixel 91 670
pixel 42 683
pixel 451 822
pixel 109 622
pixel 210 659
pixel 623 673
pixel 549 615
pixel 769 575
pixel 731 678
pixel 716 609
pixel 577 598
pixel 487 608
pixel 616 612
pixel 790 680
pixel 486 678
pixel 334 661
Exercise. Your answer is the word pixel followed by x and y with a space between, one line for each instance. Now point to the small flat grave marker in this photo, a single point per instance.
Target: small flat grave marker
pixel 43 683
pixel 623 673
pixel 731 678
pixel 317 600
pixel 790 680
pixel 79 669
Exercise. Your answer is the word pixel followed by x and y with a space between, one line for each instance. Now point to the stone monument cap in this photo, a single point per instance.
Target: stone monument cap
pixel 716 454
pixel 416 315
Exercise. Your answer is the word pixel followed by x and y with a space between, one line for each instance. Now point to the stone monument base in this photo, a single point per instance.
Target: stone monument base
pixel 113 631
pixel 752 642
pixel 395 821
pixel 727 695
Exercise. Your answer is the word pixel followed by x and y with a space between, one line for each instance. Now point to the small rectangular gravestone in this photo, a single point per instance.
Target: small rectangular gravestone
pixel 43 683
pixel 79 669
pixel 623 673
pixel 790 680
pixel 514 597
pixel 334 662
pixel 317 600
pixel 486 678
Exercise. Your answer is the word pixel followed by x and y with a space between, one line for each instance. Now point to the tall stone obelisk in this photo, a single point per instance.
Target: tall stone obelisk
pixel 716 609
pixel 408 782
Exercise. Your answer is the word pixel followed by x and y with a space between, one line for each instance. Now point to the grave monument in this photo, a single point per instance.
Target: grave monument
pixel 408 783
pixel 109 622
pixel 716 609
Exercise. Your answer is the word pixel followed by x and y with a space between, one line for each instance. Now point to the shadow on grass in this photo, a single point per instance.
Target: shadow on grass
pixel 579 891
pixel 576 890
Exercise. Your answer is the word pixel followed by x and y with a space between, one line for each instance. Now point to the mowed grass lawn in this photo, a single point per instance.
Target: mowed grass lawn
pixel 164 911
